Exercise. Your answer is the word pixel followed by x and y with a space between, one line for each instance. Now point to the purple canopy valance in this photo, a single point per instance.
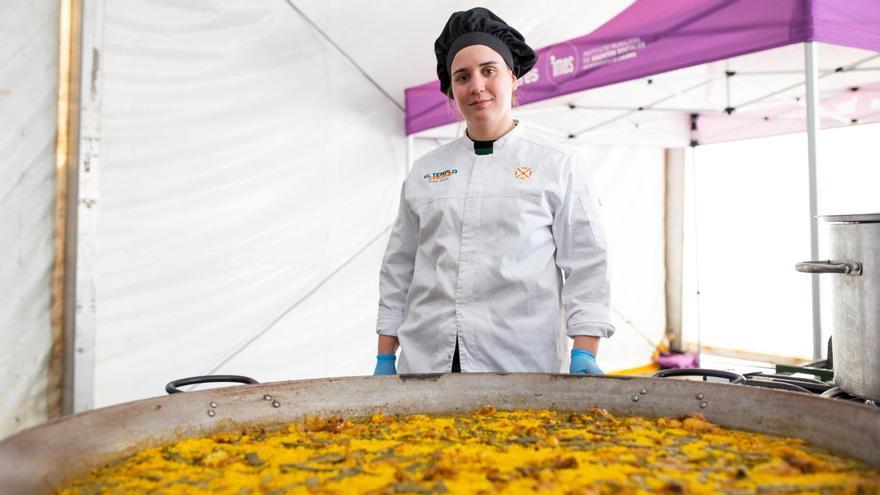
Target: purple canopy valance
pixel 655 36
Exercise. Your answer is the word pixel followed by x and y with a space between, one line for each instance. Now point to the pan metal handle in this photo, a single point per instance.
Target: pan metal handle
pixel 172 387
pixel 777 385
pixel 729 375
pixel 829 266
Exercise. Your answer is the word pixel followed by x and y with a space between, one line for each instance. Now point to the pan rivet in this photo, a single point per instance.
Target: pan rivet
pixel 276 404
pixel 699 396
pixel 213 405
pixel 635 398
pixel 211 412
pixel 703 404
pixel 267 397
pixel 643 391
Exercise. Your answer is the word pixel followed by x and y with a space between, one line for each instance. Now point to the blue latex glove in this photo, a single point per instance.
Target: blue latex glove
pixel 583 363
pixel 385 365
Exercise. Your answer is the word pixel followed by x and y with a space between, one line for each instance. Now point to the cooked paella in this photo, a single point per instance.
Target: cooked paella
pixel 487 451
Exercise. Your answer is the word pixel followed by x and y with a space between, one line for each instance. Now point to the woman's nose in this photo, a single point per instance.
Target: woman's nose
pixel 477 85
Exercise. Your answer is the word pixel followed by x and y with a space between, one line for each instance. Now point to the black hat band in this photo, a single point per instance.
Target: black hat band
pixel 478 38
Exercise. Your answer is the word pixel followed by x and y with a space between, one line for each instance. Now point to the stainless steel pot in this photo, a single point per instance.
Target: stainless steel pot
pixel 42 459
pixel 853 250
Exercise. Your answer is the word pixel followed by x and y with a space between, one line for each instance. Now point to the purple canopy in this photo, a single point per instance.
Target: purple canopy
pixel 654 36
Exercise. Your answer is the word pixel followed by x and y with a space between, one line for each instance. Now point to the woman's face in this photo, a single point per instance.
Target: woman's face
pixel 482 85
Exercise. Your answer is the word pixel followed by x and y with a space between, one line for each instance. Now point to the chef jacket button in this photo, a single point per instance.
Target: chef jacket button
pixel 449 356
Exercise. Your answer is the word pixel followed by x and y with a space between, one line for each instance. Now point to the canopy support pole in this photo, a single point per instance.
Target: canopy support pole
pixel 812 96
pixel 674 260
pixel 65 151
pixel 82 218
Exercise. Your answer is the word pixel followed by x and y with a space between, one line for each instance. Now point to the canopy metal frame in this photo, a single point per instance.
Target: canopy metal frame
pixel 812 81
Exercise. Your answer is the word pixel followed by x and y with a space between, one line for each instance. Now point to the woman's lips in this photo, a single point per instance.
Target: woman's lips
pixel 481 104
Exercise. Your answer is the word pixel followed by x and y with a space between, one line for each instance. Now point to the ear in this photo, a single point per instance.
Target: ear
pixel 515 80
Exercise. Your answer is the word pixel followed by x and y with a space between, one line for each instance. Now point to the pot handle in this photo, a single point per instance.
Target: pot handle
pixel 172 387
pixel 729 375
pixel 828 266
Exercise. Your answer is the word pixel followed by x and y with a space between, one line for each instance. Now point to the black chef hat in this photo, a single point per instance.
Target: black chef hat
pixel 480 26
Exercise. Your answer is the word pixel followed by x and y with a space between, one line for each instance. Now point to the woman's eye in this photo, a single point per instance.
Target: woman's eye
pixel 489 71
pixel 461 78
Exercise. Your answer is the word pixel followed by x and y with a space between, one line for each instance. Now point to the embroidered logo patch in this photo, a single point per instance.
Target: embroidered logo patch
pixel 522 173
pixel 440 176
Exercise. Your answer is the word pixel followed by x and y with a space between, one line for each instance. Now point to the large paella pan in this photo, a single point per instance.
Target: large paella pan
pixel 44 459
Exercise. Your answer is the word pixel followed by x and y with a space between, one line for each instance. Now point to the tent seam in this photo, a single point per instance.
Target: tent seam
pixel 346 55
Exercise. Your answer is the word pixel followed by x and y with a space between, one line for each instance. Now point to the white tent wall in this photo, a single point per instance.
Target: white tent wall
pixel 28 96
pixel 751 227
pixel 747 227
pixel 249 175
pixel 629 182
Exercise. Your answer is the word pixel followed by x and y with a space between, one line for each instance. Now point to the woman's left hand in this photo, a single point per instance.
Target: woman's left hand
pixel 584 363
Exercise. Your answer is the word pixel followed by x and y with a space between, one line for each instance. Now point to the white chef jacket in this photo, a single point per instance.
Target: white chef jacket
pixel 478 253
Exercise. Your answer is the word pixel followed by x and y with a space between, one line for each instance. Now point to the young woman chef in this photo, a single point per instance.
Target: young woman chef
pixel 496 234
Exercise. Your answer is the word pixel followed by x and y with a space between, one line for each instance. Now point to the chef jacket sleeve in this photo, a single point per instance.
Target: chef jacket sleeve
pixel 397 268
pixel 581 254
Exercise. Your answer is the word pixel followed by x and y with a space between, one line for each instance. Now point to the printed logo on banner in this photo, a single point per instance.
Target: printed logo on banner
pixel 440 176
pixel 530 77
pixel 561 63
pixel 612 52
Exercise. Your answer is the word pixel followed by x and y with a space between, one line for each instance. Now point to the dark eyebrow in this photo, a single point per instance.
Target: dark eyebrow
pixel 484 64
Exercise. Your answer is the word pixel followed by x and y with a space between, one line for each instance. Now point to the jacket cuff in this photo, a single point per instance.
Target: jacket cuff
pixel 388 323
pixel 590 329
